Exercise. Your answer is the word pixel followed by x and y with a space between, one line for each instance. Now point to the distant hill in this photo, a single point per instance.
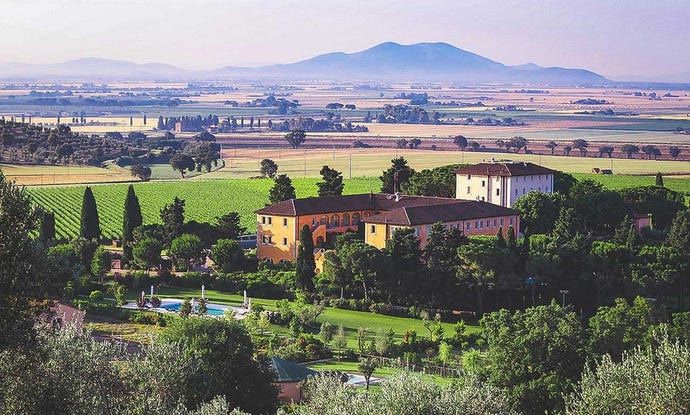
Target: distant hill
pixel 386 61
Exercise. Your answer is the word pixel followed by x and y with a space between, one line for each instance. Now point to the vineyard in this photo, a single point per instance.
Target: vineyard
pixel 204 200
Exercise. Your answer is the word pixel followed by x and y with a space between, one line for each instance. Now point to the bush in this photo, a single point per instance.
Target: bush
pixel 142 317
pixel 96 296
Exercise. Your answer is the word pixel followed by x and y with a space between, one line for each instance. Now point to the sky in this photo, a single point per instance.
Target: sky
pixel 643 38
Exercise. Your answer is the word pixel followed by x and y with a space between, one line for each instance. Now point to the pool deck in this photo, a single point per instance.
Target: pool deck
pixel 239 312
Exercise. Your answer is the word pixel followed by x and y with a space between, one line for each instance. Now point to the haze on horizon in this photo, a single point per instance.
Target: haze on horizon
pixel 616 38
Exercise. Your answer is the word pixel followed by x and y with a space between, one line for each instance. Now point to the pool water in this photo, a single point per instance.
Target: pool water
pixel 212 309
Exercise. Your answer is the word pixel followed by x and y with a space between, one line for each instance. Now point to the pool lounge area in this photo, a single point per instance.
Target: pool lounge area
pixel 172 305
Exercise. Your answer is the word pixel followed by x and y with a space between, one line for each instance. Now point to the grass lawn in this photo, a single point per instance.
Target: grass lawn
pixel 381 372
pixel 350 320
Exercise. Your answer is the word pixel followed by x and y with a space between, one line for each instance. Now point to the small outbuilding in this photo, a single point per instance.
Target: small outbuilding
pixel 290 378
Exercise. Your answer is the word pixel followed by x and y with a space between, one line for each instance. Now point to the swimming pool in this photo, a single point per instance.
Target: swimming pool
pixel 211 309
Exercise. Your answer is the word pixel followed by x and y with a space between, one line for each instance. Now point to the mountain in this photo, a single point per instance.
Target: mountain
pixel 92 69
pixel 384 62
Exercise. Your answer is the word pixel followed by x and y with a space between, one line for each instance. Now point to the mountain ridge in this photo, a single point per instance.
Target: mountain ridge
pixel 425 61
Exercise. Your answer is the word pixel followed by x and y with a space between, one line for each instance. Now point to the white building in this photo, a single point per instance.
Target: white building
pixel 502 183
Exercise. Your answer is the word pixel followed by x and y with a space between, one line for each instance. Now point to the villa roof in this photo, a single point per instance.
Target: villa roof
pixel 363 201
pixel 289 371
pixel 504 169
pixel 451 212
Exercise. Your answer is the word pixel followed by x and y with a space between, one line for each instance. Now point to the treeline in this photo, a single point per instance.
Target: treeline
pixel 310 125
pixel 403 114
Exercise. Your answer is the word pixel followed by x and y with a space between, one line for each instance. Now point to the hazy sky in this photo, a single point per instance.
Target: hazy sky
pixel 611 37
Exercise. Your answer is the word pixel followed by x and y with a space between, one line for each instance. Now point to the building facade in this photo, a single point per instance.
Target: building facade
pixel 279 225
pixel 502 183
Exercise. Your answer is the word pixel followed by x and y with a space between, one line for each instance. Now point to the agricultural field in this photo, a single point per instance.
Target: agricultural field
pixel 39 175
pixel 204 200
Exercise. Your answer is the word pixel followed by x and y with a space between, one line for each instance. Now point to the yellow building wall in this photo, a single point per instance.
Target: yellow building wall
pixel 282 231
pixel 376 234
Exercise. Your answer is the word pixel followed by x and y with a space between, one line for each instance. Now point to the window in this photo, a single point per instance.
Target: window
pixel 540 177
pixel 263 240
pixel 324 220
pixel 355 218
pixel 428 229
pixel 468 225
pixel 313 221
pixel 497 191
pixel 476 225
pixel 501 221
pixel 284 221
pixel 468 190
pixel 481 224
pixel 270 220
pixel 511 220
pixel 469 176
pixel 516 192
pixel 335 221
pixel 495 222
pixel 416 231
pixel 373 229
pixel 540 188
pixel 523 190
pixel 284 241
pixel 263 219
pixel 270 240
pixel 546 189
pixel 483 183
pixel 346 219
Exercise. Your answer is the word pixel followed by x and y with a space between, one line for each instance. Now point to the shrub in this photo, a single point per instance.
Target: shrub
pixel 96 296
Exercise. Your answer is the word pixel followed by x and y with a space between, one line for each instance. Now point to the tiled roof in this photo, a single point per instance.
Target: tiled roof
pixel 504 169
pixel 450 212
pixel 347 203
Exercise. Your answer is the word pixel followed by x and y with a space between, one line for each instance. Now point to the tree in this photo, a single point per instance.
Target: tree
pixel 131 219
pixel 608 150
pixel 405 254
pixel 518 143
pixel 552 145
pixel 305 269
pixel 47 231
pixel 336 272
pixel 460 141
pixel 229 226
pixel 652 380
pixel 224 365
pixel 367 366
pixel 141 171
pixel 332 184
pixel 439 182
pixel 562 182
pixel 282 189
pixel 538 211
pixel 661 202
pixel 481 264
pixel 228 256
pixel 500 144
pixel 679 236
pixel 172 216
pixel 659 179
pixel 440 258
pixel 182 162
pixel 651 151
pixel 581 145
pixel 608 262
pixel 205 136
pixel 567 150
pixel 23 263
pixel 396 178
pixel 535 354
pixel 674 152
pixel 146 254
pixel 405 393
pixel 615 330
pixel 364 262
pixel 90 227
pixel 100 264
pixel 296 137
pixel 630 149
pixel 186 250
pixel 269 168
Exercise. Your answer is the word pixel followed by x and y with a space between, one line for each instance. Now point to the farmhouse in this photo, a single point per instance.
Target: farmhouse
pixel 502 183
pixel 278 225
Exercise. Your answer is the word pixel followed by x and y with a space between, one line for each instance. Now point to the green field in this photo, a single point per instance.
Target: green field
pixel 204 200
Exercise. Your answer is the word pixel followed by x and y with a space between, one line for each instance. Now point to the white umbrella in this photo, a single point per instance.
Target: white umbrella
pixel 152 291
pixel 203 291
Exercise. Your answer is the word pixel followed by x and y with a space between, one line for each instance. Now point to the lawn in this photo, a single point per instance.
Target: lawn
pixel 380 372
pixel 350 320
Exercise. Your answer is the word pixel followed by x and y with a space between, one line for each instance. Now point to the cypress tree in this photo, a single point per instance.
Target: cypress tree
pixel 131 219
pixel 659 179
pixel 511 241
pixel 306 266
pixel 500 241
pixel 47 231
pixel 90 226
